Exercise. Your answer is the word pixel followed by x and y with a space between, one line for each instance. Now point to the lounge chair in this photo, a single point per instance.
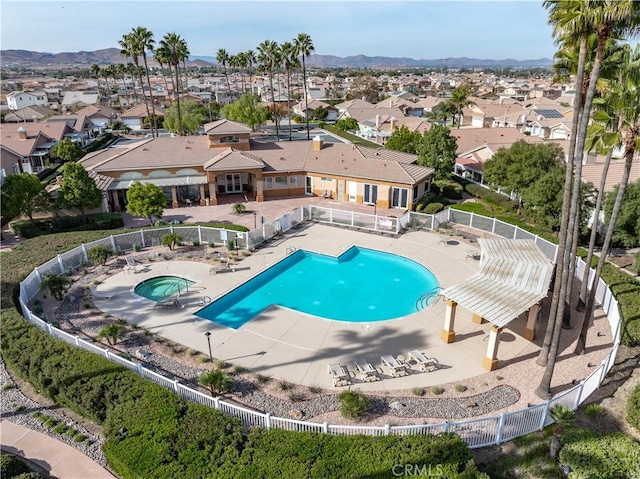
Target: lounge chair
pixel 367 371
pixel 396 368
pixel 95 294
pixel 339 374
pixel 133 266
pixel 167 302
pixel 425 363
pixel 222 268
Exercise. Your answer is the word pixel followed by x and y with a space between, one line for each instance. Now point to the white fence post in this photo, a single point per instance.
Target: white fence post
pixel 446 426
pixel 515 232
pixel 176 387
pixel 139 369
pixel 325 428
pixel 500 428
pixel 113 243
pixel 352 218
pixel 199 234
pixel 493 226
pixel 61 264
pixel 84 253
pixel 387 429
pixel 106 353
pixel 330 215
pixel 267 420
pixel 545 414
pixel 37 271
pixel 142 238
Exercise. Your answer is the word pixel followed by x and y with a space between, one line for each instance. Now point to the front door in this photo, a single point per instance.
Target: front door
pixel 234 185
pixel 399 197
pixel 352 187
pixel 308 190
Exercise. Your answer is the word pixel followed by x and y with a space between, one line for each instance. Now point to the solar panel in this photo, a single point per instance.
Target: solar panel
pixel 550 113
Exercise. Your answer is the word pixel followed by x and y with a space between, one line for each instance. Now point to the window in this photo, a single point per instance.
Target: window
pixel 281 182
pixel 275 182
pixel 399 197
pixel 229 139
pixel 415 194
pixel 370 194
pixel 296 181
pixel 326 179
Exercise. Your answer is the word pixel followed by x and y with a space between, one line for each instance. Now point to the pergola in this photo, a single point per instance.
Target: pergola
pixel 513 278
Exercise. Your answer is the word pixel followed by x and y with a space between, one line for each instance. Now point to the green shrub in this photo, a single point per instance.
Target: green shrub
pixel 284 385
pixel 112 333
pixel 98 221
pixel 79 437
pixel 353 404
pixel 591 455
pixel 437 390
pixel 239 208
pixel 99 254
pixel 633 408
pixel 60 429
pixel 460 388
pixel 417 391
pixel 136 247
pixel 449 189
pixel 263 378
pixel 433 208
pixel 594 410
pixel 171 240
pixel 12 466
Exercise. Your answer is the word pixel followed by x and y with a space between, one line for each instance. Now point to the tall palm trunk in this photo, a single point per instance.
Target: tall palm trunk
pixel 289 99
pixel 594 233
pixel 273 103
pixel 588 312
pixel 177 70
pixel 306 100
pixel 186 76
pixel 544 388
pixel 151 116
pixel 566 201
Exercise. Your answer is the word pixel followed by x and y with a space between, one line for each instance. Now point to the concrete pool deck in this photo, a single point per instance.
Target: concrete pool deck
pixel 297 347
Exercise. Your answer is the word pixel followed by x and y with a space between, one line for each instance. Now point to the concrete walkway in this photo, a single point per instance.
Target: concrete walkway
pixel 55 457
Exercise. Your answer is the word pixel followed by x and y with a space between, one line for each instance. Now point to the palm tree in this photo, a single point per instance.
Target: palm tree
pixel 55 283
pixel 568 19
pixel 94 70
pixel 217 381
pixel 130 48
pixel 250 58
pixel 269 58
pixel 222 57
pixel 143 42
pixel 112 333
pixel 607 18
pixel 290 57
pixel 625 101
pixel 459 100
pixel 304 46
pixel 175 49
pixel 160 55
pixel 563 418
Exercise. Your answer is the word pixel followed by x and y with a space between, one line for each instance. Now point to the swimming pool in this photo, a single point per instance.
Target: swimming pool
pixel 162 287
pixel 361 285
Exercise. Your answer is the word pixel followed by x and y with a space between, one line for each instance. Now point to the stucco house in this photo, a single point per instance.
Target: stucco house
pixel 203 169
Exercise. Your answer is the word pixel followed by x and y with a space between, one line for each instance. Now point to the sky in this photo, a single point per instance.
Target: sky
pixel 422 29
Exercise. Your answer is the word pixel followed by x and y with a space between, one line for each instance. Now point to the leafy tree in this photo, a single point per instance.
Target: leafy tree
pixel 191 114
pixel 22 194
pixel 146 200
pixel 364 87
pixel 99 254
pixel 442 112
pixel 346 124
pixel 627 230
pixel 153 121
pixel 112 333
pixel 403 140
pixel 247 110
pixel 66 150
pixel 56 284
pixel 171 240
pixel 353 404
pixel 437 149
pixel 78 189
pixel 217 381
pixel 517 168
pixel 320 113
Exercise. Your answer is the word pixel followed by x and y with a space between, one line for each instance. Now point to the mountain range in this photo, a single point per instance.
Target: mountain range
pixel 112 55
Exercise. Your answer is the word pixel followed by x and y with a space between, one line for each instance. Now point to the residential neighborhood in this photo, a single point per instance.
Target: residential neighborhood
pixel 224 255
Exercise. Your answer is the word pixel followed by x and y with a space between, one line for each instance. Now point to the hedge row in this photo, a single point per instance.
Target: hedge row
pixel 491 196
pixel 592 455
pixel 633 408
pixel 98 221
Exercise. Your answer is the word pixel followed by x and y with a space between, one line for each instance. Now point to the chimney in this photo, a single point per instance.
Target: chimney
pixel 22 133
pixel 377 121
pixel 393 123
pixel 317 143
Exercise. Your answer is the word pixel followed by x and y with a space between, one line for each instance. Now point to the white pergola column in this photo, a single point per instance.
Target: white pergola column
pixel 448 335
pixel 530 330
pixel 174 197
pixel 490 361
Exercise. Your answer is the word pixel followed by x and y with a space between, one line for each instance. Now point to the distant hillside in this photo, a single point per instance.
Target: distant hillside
pixel 108 56
pixel 363 61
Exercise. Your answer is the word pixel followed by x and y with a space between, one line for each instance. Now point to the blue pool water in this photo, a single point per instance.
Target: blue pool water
pixel 162 287
pixel 361 285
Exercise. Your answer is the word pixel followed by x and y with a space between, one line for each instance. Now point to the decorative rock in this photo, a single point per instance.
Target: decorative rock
pixel 396 405
pixel 470 403
pixel 295 414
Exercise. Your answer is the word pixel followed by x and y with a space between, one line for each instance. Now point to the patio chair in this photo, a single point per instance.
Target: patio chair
pixel 367 371
pixel 425 363
pixel 444 240
pixel 396 368
pixel 222 268
pixel 95 294
pixel 133 265
pixel 167 302
pixel 339 374
pixel 471 254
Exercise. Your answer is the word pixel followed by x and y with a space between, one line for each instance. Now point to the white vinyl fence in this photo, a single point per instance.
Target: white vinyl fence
pixel 476 432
